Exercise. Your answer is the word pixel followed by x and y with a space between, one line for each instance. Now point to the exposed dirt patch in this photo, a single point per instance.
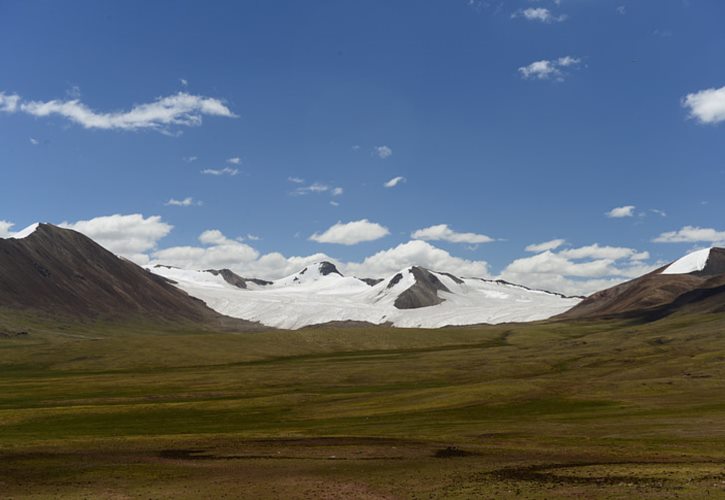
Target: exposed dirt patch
pixel 575 474
pixel 453 452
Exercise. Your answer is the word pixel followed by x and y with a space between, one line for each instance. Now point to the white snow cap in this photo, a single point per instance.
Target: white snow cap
pixel 24 233
pixel 690 263
pixel 311 298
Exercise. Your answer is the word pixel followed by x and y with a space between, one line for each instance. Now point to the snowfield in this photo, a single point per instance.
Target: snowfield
pixel 690 263
pixel 310 298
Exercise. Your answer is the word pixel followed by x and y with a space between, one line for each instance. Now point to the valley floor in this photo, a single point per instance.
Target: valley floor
pixel 595 410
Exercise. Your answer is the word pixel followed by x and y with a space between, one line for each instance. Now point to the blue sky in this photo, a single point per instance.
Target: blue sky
pixel 512 123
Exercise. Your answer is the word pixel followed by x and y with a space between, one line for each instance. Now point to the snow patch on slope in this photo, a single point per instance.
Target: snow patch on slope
pixel 690 263
pixel 24 233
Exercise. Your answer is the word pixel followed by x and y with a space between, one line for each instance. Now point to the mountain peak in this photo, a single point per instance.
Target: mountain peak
pixel 61 271
pixel 326 268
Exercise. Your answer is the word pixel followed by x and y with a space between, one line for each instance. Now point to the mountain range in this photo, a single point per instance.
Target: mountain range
pixel 61 272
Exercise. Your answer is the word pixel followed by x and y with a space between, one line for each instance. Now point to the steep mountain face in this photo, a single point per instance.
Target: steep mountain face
pixel 413 297
pixel 60 271
pixel 423 293
pixel 688 283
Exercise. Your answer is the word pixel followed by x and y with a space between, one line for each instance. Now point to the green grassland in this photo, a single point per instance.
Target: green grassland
pixel 545 410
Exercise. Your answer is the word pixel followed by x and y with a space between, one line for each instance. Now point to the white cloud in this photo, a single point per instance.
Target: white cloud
pixel 383 152
pixel 184 82
pixel 621 10
pixel 394 182
pixel 186 202
pixel 253 237
pixel 574 271
pixel 549 68
pixel 706 106
pixel 659 212
pixel 693 234
pixel 415 253
pixel 351 233
pixel 604 252
pixel 546 245
pixel 620 212
pixel 214 237
pixel 316 187
pixel 180 109
pixel 190 159
pixel 220 171
pixel 34 141
pixel 220 252
pixel 5 231
pixel 235 160
pixel 540 14
pixel 442 232
pixel 334 203
pixel 578 271
pixel 9 102
pixel 130 236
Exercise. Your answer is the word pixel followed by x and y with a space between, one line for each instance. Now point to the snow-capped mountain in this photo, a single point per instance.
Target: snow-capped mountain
pixel 413 297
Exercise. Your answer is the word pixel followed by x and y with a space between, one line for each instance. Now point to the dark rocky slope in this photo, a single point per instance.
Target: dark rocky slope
pixel 62 272
pixel 659 294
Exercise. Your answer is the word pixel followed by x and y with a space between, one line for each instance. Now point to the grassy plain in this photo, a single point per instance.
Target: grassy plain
pixel 546 410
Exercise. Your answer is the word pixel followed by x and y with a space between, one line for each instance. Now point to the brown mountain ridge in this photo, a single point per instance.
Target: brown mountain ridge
pixel 62 272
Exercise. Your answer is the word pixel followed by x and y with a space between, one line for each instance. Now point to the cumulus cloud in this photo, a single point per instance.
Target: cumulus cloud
pixel 546 245
pixel 180 109
pixel 220 171
pixel 186 202
pixel 394 182
pixel 620 212
pixel 415 253
pixel 578 271
pixel 131 236
pixel 34 141
pixel 214 237
pixel 442 232
pixel 383 152
pixel 693 234
pixel 296 180
pixel 9 102
pixel 5 229
pixel 351 233
pixel 705 106
pixel 604 252
pixel 547 69
pixel 235 160
pixel 540 14
pixel 220 252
